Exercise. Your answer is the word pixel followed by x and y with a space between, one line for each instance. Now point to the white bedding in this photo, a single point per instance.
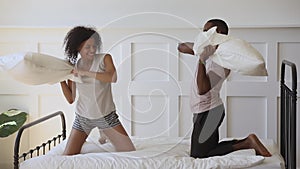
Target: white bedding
pixel 162 152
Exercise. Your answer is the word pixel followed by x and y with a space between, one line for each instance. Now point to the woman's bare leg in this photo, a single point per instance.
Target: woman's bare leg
pixel 75 142
pixel 252 142
pixel 119 138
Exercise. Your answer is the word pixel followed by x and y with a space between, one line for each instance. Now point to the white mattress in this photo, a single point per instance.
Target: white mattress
pixel 161 152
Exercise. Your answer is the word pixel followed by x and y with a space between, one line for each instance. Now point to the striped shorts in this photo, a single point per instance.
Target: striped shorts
pixel 86 125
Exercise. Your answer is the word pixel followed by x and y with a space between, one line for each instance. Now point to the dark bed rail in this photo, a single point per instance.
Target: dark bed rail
pixel 43 146
pixel 288 97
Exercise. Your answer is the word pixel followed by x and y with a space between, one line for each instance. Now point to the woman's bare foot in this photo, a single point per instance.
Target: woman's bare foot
pixel 253 142
pixel 103 140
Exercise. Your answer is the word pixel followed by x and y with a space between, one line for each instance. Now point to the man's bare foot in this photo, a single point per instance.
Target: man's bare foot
pixel 254 143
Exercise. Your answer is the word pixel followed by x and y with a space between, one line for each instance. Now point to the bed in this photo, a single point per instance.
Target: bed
pixel 165 152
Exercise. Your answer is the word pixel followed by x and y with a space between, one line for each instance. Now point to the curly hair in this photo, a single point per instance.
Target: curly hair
pixel 74 39
pixel 222 26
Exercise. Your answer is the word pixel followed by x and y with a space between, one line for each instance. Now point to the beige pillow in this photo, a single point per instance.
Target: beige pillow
pixel 232 53
pixel 37 68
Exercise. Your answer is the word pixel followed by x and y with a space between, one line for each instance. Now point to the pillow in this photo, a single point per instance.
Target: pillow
pixel 210 37
pixel 9 61
pixel 232 53
pixel 38 68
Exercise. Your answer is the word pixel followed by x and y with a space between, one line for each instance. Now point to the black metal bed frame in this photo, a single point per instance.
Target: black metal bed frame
pixel 287 124
pixel 44 145
pixel 288 98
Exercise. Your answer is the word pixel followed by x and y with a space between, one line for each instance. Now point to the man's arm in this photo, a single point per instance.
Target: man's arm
pixel 186 47
pixel 206 80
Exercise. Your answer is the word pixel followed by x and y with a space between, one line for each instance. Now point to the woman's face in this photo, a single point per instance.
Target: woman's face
pixel 88 49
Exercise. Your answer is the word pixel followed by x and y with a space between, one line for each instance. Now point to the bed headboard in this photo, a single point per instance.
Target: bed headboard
pixel 44 145
pixel 288 97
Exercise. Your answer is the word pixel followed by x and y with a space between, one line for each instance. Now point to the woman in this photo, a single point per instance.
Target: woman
pixel 95 106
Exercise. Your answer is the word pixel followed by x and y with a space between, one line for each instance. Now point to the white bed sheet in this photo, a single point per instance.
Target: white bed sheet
pixel 276 161
pixel 161 152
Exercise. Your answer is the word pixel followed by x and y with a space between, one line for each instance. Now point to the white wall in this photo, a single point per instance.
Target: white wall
pixel 238 13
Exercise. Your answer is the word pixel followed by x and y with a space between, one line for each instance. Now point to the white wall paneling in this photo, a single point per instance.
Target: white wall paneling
pixel 240 108
pixel 148 72
pixel 152 92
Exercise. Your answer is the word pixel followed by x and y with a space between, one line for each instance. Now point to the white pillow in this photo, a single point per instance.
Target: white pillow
pixel 38 68
pixel 9 61
pixel 232 53
pixel 210 37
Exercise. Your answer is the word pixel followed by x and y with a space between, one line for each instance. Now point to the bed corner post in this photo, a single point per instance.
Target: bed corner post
pixel 288 97
pixel 63 123
pixel 16 148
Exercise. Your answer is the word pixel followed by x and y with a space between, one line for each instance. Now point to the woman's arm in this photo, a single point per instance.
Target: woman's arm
pixel 186 47
pixel 109 75
pixel 68 88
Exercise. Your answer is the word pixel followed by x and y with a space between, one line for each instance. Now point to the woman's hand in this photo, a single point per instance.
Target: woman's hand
pixel 77 72
pixel 207 51
pixel 74 72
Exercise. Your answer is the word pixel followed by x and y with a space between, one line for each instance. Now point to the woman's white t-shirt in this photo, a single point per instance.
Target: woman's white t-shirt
pixel 94 96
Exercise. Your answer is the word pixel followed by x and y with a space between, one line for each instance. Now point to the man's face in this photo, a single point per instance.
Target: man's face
pixel 207 26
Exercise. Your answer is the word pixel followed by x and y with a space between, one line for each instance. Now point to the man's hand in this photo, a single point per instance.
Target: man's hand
pixel 208 51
